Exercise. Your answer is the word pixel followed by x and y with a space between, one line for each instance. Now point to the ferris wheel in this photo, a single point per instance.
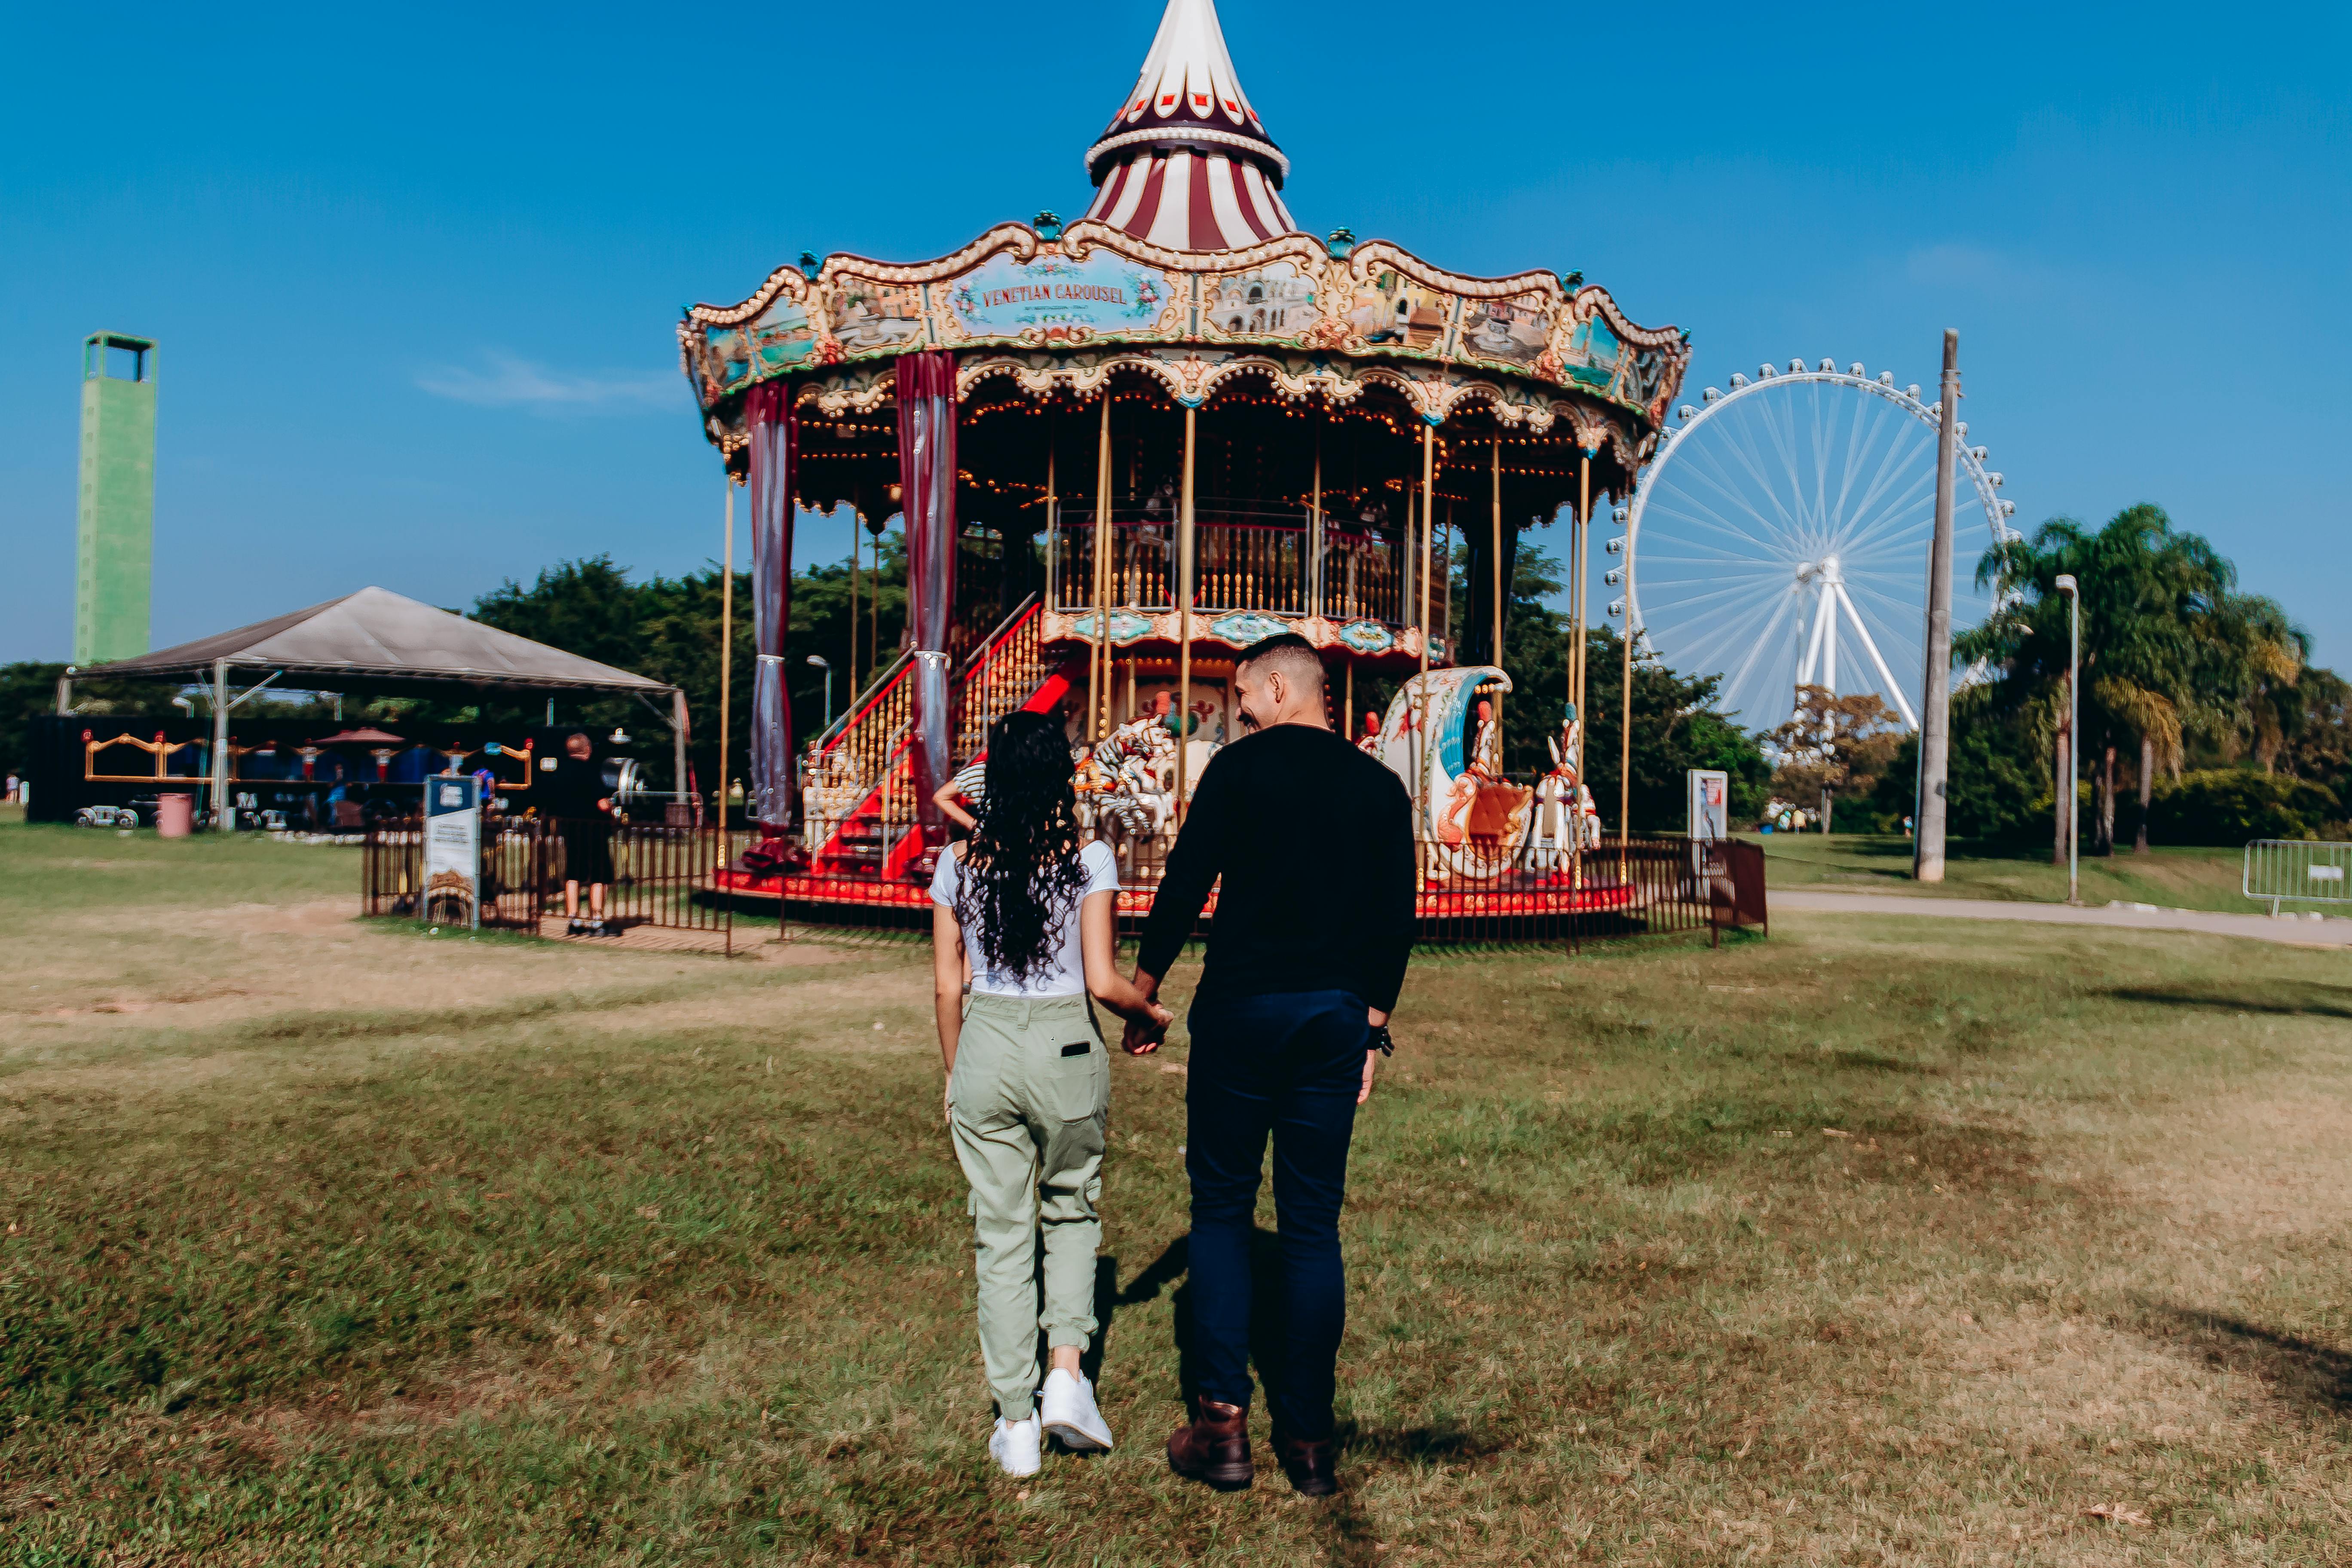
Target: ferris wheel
pixel 1779 538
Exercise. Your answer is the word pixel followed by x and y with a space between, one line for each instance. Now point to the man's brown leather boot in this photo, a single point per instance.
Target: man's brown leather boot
pixel 1310 1463
pixel 1215 1448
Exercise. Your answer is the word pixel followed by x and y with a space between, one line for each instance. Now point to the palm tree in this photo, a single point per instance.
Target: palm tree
pixel 2254 661
pixel 2147 596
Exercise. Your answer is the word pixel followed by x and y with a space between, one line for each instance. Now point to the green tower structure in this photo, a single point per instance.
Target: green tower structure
pixel 114 574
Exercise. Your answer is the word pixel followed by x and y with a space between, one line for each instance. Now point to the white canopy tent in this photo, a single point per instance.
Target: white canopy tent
pixel 379 643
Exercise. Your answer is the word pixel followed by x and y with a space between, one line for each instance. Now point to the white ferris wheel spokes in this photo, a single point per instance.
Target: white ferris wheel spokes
pixel 1780 539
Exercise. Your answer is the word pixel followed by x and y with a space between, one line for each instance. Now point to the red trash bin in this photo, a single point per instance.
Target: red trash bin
pixel 176 814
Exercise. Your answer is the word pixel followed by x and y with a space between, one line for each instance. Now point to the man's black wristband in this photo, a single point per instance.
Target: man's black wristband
pixel 1380 1041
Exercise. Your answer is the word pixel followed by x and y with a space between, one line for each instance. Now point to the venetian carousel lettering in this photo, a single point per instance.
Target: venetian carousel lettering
pixel 1038 293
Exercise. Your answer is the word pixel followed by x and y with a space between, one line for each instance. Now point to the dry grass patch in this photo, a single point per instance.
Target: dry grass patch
pixel 1877 1242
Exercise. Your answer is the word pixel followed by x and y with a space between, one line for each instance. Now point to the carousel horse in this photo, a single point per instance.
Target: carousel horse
pixel 1559 798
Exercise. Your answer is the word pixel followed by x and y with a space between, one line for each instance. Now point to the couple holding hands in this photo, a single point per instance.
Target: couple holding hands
pixel 1288 1024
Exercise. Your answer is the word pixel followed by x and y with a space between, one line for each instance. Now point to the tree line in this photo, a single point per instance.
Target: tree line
pixel 2202 718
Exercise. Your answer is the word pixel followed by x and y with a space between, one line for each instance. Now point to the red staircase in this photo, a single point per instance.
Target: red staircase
pixel 861 802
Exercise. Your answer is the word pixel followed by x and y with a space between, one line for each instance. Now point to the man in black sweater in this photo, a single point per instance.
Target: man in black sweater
pixel 1315 923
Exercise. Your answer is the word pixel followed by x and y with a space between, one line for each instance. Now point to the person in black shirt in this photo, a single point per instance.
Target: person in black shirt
pixel 1314 842
pixel 583 817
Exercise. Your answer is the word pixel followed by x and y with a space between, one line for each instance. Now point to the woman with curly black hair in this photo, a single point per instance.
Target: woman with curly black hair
pixel 1030 916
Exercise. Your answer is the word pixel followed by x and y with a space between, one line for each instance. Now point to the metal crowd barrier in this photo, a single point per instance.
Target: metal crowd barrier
pixel 2297 872
pixel 662 874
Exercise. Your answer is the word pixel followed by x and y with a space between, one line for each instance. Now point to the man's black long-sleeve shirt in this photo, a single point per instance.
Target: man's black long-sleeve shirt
pixel 1314 840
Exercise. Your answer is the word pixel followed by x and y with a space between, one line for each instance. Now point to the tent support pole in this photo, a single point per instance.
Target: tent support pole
pixel 678 745
pixel 223 818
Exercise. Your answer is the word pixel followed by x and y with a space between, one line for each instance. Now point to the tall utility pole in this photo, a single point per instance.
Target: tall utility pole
pixel 1935 701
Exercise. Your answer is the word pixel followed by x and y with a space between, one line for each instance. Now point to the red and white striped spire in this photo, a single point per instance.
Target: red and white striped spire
pixel 1186 163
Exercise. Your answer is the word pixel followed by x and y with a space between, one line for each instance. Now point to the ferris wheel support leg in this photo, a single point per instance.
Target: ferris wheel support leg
pixel 1828 638
pixel 1812 659
pixel 1870 646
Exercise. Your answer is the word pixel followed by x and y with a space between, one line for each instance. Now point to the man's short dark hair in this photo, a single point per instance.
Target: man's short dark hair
pixel 1291 653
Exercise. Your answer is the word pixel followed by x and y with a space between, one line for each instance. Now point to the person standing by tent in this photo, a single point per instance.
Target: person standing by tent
pixel 583 809
pixel 1303 970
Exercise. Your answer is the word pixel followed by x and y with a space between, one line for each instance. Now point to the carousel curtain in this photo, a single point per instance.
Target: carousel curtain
pixel 927 475
pixel 776 461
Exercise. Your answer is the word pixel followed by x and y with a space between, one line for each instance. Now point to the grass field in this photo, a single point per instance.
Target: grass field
pixel 1879 1241
pixel 2196 878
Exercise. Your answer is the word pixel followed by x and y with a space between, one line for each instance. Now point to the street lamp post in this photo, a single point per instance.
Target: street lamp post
pixel 2068 586
pixel 819 660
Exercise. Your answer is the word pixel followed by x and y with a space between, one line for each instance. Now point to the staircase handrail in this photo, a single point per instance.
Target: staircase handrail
pixel 1003 628
pixel 875 689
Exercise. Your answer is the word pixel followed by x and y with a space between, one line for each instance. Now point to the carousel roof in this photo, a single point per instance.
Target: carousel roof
pixel 1186 163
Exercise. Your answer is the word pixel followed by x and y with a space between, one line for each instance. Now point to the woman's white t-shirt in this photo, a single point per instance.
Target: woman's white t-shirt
pixel 1065 973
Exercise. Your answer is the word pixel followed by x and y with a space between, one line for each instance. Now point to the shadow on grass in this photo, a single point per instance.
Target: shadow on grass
pixel 2303 999
pixel 2314 1376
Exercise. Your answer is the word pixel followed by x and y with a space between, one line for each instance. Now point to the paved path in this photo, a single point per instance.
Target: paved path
pixel 2301 933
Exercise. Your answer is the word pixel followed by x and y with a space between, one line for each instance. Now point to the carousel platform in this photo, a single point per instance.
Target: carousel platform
pixel 861 900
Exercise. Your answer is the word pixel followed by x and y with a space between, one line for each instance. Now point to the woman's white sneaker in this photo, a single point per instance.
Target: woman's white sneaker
pixel 1014 1444
pixel 1067 1402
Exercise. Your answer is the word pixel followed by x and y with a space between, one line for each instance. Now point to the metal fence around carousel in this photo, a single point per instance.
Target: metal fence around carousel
pixel 662 876
pixel 1617 888
pixel 664 881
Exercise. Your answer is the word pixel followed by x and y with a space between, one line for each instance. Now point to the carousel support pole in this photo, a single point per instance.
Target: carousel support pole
pixel 1052 526
pixel 1184 615
pixel 1315 532
pixel 1496 567
pixel 1428 527
pixel 727 641
pixel 1348 705
pixel 1582 544
pixel 1625 748
pixel 1099 685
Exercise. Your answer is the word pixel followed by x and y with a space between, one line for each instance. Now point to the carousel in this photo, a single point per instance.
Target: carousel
pixel 1127 447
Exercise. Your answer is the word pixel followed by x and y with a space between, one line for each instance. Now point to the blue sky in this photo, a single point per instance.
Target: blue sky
pixel 415 272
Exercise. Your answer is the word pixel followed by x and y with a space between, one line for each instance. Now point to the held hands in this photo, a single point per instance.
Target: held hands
pixel 1146 1029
